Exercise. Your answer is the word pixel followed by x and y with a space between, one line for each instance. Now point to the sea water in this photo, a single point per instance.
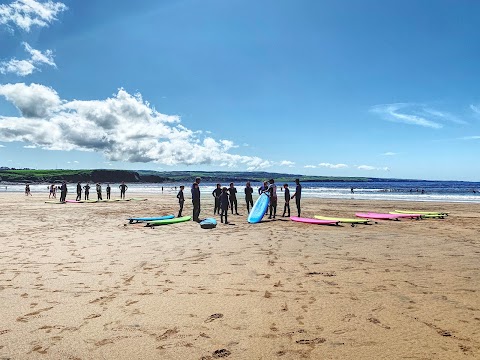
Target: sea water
pixel 440 191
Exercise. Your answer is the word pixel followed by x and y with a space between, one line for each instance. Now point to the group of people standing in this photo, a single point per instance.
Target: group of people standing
pixel 98 188
pixel 226 198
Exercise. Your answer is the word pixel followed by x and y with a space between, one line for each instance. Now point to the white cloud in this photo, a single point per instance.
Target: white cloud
pixel 443 116
pixel 29 147
pixel 333 166
pixel 310 166
pixel 26 14
pixel 475 109
pixel 389 153
pixel 370 168
pixel 75 162
pixel 475 137
pixel 391 112
pixel 123 128
pixel 287 163
pixel 2 145
pixel 26 67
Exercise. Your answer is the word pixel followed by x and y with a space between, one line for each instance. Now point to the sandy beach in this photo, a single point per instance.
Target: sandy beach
pixel 78 282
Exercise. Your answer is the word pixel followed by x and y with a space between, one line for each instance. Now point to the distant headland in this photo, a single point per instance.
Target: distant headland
pixel 10 175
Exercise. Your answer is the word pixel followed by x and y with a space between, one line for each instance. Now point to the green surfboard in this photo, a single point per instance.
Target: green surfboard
pixel 343 220
pixel 169 221
pixel 420 212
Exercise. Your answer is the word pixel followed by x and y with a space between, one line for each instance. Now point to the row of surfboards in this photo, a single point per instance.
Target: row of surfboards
pixel 208 223
pixel 364 218
pixel 92 201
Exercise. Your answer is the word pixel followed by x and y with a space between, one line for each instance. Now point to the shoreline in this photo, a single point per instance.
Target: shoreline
pixel 77 281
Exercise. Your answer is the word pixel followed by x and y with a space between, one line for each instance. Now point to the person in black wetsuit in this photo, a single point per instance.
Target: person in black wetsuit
pixel 248 196
pixel 87 191
pixel 181 200
pixel 122 188
pixel 272 190
pixel 196 200
pixel 216 194
pixel 98 187
pixel 79 192
pixel 224 200
pixel 63 191
pixel 297 195
pixel 232 193
pixel 287 200
pixel 263 188
pixel 109 190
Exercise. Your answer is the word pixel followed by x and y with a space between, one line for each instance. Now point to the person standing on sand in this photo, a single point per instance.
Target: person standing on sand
pixel 263 188
pixel 63 191
pixel 297 195
pixel 181 200
pixel 27 190
pixel 232 193
pixel 52 191
pixel 79 192
pixel 272 189
pixel 248 196
pixel 87 191
pixel 216 194
pixel 123 188
pixel 109 190
pixel 287 200
pixel 196 199
pixel 98 187
pixel 224 205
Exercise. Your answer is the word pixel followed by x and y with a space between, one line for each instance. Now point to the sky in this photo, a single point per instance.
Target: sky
pixel 368 88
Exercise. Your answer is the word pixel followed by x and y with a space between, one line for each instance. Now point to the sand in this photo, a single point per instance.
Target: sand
pixel 78 282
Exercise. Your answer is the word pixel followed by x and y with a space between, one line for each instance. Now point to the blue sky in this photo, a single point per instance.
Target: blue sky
pixel 338 88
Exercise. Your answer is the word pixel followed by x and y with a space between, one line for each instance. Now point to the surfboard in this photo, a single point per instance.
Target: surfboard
pixel 169 221
pixel 54 202
pixel 381 216
pixel 73 201
pixel 313 221
pixel 208 223
pixel 146 219
pixel 342 220
pixel 420 212
pixel 259 209
pixel 429 216
pixel 136 199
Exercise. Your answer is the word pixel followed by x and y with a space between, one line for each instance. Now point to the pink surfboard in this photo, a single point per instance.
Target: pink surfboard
pixel 381 216
pixel 313 221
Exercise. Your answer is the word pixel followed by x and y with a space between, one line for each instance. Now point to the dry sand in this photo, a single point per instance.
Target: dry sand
pixel 78 282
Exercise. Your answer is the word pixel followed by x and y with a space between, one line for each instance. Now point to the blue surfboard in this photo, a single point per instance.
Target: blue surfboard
pixel 208 223
pixel 259 209
pixel 150 218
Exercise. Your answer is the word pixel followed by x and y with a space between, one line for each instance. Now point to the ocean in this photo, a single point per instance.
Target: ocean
pixel 439 191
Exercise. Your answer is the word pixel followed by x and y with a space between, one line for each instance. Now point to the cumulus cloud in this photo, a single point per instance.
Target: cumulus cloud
pixel 29 147
pixel 310 166
pixel 28 66
pixel 2 145
pixel 287 163
pixel 333 166
pixel 405 113
pixel 123 127
pixel 26 14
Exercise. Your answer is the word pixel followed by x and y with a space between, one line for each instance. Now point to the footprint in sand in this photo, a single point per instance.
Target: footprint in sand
pixel 221 353
pixel 311 341
pixel 213 317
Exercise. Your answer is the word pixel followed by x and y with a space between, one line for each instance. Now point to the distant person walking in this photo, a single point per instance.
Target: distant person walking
pixel 79 192
pixel 109 190
pixel 297 195
pixel 232 194
pixel 196 199
pixel 181 200
pixel 272 190
pixel 63 192
pixel 287 200
pixel 52 191
pixel 351 190
pixel 27 190
pixel 224 200
pixel 248 196
pixel 98 187
pixel 216 194
pixel 87 191
pixel 123 188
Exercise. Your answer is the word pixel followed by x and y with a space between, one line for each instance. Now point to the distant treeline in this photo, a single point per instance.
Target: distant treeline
pixel 147 176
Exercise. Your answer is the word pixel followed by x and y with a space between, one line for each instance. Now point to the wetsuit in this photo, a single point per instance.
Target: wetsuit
pixel 122 188
pixel 99 192
pixel 272 189
pixel 224 200
pixel 87 191
pixel 287 202
pixel 298 196
pixel 63 192
pixel 196 203
pixel 216 194
pixel 249 197
pixel 109 189
pixel 232 192
pixel 79 192
pixel 181 200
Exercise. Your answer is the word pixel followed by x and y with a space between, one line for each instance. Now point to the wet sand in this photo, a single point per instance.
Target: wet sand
pixel 78 282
